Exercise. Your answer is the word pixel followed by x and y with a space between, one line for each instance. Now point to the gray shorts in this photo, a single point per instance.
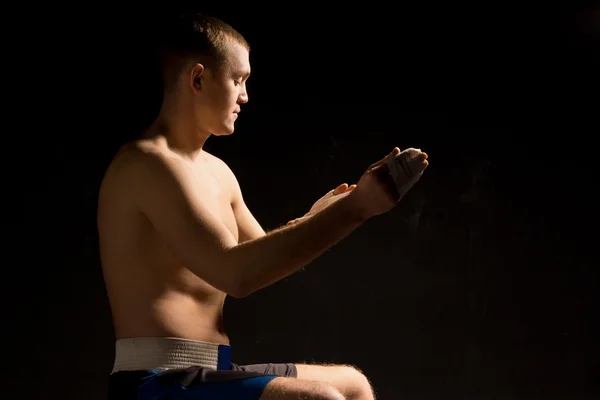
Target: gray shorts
pixel 241 382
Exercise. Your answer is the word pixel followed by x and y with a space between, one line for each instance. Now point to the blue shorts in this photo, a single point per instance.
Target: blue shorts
pixel 228 381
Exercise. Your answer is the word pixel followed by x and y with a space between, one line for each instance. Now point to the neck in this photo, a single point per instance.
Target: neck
pixel 176 123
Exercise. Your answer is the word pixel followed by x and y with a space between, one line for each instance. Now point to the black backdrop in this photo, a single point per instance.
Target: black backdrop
pixel 479 285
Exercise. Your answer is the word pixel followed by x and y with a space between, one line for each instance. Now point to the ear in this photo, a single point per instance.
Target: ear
pixel 197 77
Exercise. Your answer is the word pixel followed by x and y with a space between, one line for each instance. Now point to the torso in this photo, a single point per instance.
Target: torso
pixel 150 292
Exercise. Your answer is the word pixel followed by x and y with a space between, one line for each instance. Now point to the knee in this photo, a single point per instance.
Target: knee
pixel 360 387
pixel 329 392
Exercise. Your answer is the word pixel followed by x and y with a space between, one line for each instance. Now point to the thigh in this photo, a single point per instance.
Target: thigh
pixel 239 389
pixel 296 389
pixel 267 387
pixel 198 383
pixel 347 378
pixel 339 375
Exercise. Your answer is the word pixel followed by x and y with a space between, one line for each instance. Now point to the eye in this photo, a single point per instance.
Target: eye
pixel 237 83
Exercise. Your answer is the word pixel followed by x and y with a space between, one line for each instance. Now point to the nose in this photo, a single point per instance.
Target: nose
pixel 243 97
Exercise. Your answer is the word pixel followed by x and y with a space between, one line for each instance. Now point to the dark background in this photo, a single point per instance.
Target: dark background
pixel 479 285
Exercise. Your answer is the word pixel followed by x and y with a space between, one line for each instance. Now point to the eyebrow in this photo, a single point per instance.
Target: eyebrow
pixel 243 73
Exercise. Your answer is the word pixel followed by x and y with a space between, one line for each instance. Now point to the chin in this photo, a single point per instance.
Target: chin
pixel 224 131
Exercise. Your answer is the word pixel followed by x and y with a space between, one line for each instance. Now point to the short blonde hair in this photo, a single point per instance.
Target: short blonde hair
pixel 194 37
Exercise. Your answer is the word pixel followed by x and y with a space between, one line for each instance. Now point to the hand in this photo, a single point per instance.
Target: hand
pixel 330 197
pixel 376 191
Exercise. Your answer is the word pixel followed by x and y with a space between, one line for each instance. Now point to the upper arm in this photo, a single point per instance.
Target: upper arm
pixel 248 226
pixel 167 196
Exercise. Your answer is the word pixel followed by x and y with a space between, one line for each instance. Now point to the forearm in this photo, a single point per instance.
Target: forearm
pixel 281 252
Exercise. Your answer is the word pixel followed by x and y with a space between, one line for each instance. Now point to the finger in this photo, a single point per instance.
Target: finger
pixel 418 164
pixel 340 189
pixel 394 153
pixel 351 187
pixel 420 167
pixel 331 193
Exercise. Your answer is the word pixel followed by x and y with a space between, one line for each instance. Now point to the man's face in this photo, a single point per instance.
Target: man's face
pixel 223 90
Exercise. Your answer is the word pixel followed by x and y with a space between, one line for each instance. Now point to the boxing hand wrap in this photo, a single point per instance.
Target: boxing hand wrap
pixel 406 168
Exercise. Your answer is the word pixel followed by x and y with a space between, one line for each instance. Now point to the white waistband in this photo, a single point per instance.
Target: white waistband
pixel 162 353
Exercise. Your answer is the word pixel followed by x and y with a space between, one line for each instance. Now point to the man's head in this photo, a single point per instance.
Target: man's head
pixel 205 65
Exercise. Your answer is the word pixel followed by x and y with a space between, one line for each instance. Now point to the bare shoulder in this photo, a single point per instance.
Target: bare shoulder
pixel 132 167
pixel 135 155
pixel 137 158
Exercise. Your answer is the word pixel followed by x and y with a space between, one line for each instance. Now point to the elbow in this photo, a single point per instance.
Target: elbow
pixel 246 286
pixel 232 287
pixel 237 286
pixel 224 280
pixel 230 277
pixel 237 293
pixel 240 291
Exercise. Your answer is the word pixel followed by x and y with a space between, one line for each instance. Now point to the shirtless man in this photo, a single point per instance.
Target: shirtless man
pixel 176 238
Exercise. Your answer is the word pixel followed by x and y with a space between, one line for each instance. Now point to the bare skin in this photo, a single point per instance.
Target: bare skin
pixel 168 300
pixel 152 291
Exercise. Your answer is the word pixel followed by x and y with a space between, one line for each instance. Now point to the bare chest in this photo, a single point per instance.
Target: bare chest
pixel 216 195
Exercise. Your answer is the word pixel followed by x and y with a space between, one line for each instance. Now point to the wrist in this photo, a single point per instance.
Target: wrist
pixel 354 208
